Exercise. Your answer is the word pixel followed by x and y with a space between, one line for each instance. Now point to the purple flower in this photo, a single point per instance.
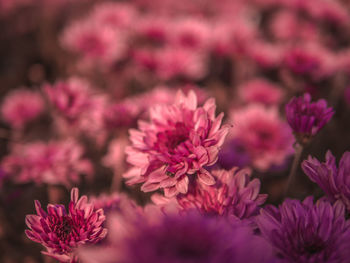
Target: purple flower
pixel 335 182
pixel 307 118
pixel 305 232
pixel 61 232
pixel 174 238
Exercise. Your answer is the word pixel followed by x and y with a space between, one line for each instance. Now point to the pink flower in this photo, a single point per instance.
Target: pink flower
pixel 234 194
pixel 21 106
pixel 61 231
pixel 176 145
pixel 58 162
pixel 156 30
pixel 94 42
pixel 191 33
pixel 178 62
pixel 265 136
pixel 261 91
pixel 114 15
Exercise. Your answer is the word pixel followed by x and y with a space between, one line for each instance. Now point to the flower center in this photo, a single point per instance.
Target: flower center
pixel 63 227
pixel 169 140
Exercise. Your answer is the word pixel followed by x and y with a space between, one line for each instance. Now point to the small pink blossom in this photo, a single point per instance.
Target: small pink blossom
pixel 21 106
pixel 262 91
pixel 266 137
pixel 58 162
pixel 176 145
pixel 61 232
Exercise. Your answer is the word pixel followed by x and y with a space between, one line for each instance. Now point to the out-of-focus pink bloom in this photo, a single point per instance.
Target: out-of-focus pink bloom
pixel 114 15
pixel 155 30
pixel 310 60
pixel 61 231
pixel 176 145
pixel 191 33
pixel 266 137
pixel 261 91
pixel 21 106
pixel 264 54
pixel 70 98
pixel 176 62
pixel 123 114
pixel 94 42
pixel 233 195
pixel 307 118
pixel 58 162
pixel 286 25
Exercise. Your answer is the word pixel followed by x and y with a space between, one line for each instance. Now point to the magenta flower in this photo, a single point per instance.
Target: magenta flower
pixel 307 118
pixel 335 182
pixel 58 162
pixel 265 136
pixel 176 146
pixel 61 232
pixel 21 106
pixel 304 232
pixel 234 194
pixel 174 238
pixel 261 91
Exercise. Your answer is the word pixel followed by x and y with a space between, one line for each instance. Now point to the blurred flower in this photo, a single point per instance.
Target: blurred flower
pixel 191 33
pixel 262 91
pixel 306 233
pixel 233 153
pixel 176 145
pixel 233 195
pixel 61 232
pixel 187 238
pixel 267 138
pixel 58 162
pixel 21 106
pixel 94 42
pixel 333 181
pixel 307 118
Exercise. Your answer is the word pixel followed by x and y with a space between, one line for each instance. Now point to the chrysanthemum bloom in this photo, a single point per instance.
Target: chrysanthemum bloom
pixel 94 42
pixel 187 238
pixel 58 162
pixel 335 182
pixel 307 118
pixel 61 231
pixel 175 147
pixel 305 232
pixel 261 91
pixel 191 33
pixel 234 194
pixel 21 106
pixel 265 136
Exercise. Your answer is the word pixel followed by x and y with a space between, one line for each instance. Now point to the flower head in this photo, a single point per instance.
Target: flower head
pixel 265 136
pixel 335 182
pixel 58 162
pixel 177 144
pixel 174 238
pixel 61 231
pixel 234 195
pixel 307 118
pixel 21 106
pixel 305 232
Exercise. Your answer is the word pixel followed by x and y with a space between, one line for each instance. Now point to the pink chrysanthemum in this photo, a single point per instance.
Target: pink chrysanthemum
pixel 261 91
pixel 58 162
pixel 21 106
pixel 234 194
pixel 266 137
pixel 176 145
pixel 61 231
